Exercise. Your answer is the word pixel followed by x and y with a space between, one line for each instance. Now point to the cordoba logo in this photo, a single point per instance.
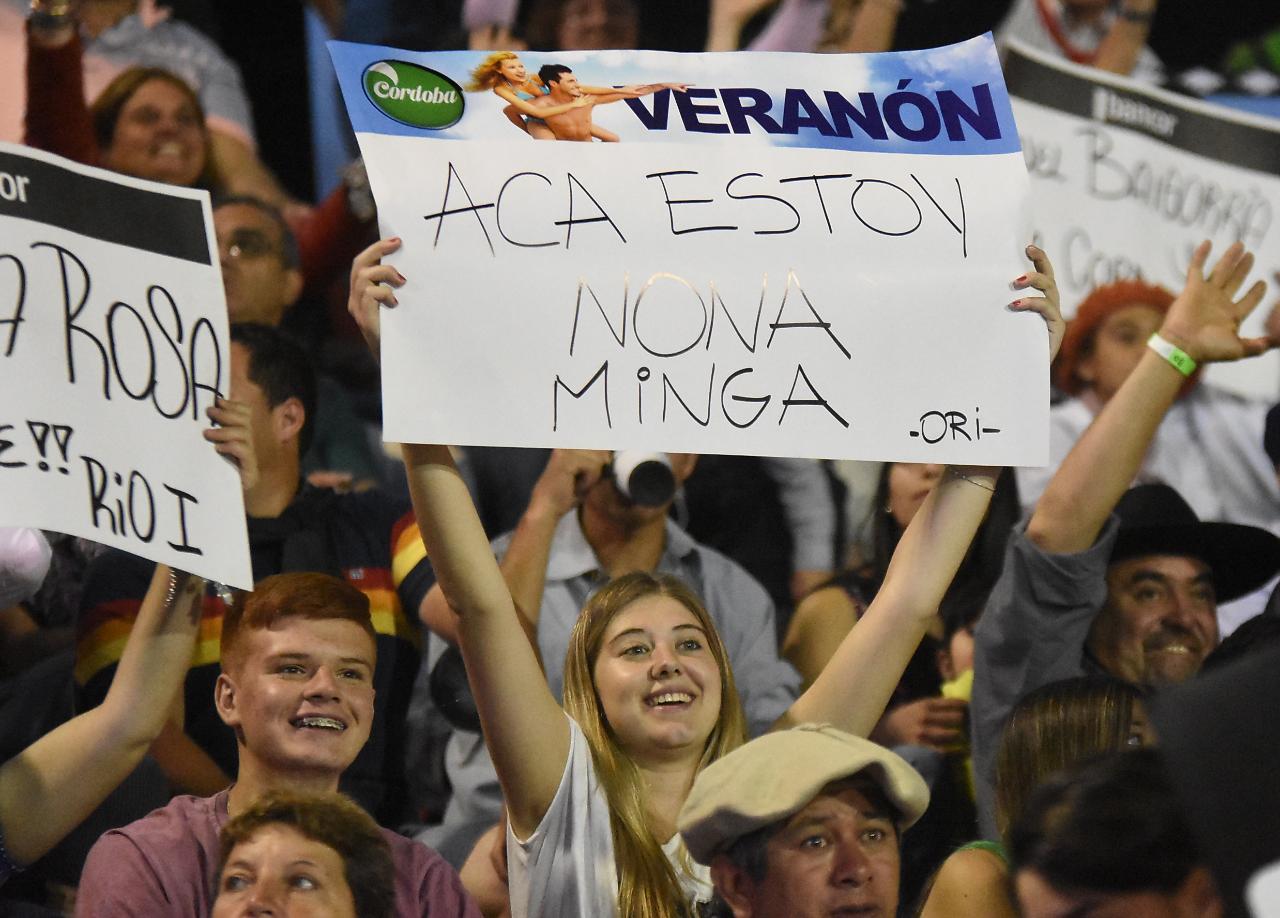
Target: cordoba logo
pixel 413 95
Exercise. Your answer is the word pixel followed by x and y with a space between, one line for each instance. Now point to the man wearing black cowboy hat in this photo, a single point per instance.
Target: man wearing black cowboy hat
pixel 1125 582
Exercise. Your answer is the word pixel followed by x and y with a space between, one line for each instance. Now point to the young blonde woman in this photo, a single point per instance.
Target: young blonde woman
pixel 592 790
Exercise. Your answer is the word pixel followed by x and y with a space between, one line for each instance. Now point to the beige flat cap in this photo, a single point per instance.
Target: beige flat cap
pixel 776 775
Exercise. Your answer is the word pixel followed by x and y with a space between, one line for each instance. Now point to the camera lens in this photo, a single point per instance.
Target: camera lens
pixel 644 477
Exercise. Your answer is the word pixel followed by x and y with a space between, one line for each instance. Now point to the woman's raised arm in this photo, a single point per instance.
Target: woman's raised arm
pixel 525 729
pixel 853 689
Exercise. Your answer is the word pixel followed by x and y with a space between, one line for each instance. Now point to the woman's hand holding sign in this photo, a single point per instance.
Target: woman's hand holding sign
pixel 373 285
pixel 233 438
pixel 1048 306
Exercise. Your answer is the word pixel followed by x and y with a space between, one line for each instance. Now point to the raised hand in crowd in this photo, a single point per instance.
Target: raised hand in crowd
pixel 569 475
pixel 55 783
pixel 1205 318
pixel 935 722
pixel 1204 323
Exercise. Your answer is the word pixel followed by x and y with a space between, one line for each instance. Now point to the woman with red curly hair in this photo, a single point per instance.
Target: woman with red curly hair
pixel 1209 446
pixel 1108 336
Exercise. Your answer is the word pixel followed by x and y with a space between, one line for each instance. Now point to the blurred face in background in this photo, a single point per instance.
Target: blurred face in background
pixel 957 656
pixel 260 286
pixel 159 135
pixel 1118 344
pixel 909 484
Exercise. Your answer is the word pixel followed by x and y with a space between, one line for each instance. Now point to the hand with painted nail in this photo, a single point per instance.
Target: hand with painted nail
pixel 233 438
pixel 373 285
pixel 1204 320
pixel 1048 306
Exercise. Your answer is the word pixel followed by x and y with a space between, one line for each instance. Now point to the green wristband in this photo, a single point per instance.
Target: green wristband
pixel 1181 360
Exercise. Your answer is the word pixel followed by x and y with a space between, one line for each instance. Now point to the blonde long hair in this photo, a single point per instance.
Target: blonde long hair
pixel 486 75
pixel 648 886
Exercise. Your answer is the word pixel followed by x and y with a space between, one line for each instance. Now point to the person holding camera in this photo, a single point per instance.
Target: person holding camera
pixel 584 526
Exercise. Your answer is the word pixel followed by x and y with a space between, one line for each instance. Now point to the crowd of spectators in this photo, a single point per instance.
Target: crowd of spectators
pixel 495 681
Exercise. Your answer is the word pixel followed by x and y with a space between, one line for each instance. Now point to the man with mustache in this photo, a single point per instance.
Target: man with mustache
pixel 1107 579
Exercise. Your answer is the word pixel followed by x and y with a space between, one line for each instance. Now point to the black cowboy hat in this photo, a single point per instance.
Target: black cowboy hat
pixel 1155 520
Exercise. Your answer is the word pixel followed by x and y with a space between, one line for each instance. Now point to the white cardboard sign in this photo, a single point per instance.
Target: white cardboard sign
pixel 113 342
pixel 800 255
pixel 1126 180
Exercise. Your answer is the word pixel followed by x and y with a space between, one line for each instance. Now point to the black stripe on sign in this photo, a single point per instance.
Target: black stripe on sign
pixel 103 209
pixel 1155 114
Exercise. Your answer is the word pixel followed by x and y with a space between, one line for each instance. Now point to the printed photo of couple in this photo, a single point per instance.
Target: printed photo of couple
pixel 552 104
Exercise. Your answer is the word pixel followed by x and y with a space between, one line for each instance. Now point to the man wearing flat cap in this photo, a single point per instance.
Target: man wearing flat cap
pixel 801 823
pixel 1102 579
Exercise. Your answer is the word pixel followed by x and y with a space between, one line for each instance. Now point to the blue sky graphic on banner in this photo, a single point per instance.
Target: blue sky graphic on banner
pixel 948 100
